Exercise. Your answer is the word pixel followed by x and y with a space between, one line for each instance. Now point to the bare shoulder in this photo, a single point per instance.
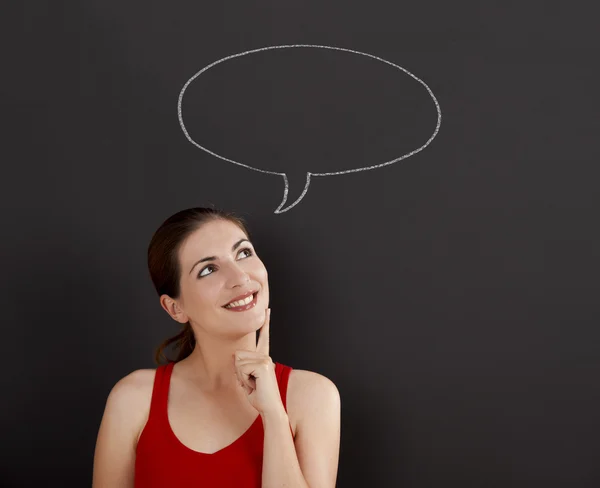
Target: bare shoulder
pixel 126 410
pixel 130 398
pixel 302 379
pixel 308 390
pixel 136 386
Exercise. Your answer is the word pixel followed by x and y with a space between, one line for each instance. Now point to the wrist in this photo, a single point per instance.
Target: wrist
pixel 276 414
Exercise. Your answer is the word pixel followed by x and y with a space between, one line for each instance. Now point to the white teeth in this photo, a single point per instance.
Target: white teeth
pixel 239 303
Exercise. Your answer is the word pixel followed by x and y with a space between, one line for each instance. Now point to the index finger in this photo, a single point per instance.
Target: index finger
pixel 262 345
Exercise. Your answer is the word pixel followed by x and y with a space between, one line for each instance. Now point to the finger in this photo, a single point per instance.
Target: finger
pixel 247 378
pixel 251 366
pixel 246 386
pixel 240 378
pixel 262 345
pixel 242 354
pixel 245 363
pixel 242 363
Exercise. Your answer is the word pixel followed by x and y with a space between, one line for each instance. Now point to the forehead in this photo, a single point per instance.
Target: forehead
pixel 212 238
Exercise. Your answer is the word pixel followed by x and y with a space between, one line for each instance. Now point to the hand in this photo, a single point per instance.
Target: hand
pixel 256 372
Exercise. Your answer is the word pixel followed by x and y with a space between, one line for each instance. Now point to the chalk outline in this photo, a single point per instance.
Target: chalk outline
pixel 308 173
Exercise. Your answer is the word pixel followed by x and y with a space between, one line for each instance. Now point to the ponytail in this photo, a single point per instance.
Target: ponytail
pixel 185 342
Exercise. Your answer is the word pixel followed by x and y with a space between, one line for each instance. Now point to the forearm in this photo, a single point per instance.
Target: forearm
pixel 280 463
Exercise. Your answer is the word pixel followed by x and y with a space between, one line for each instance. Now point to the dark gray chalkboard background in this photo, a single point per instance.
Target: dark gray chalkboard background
pixel 452 296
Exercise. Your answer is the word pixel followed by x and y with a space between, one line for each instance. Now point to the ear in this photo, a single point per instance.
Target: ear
pixel 173 309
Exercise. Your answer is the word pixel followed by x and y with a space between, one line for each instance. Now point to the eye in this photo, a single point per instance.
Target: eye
pixel 200 275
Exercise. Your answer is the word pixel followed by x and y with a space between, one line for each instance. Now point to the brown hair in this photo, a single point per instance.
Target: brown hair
pixel 165 270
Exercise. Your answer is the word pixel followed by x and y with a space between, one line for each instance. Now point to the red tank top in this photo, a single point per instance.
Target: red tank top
pixel 163 461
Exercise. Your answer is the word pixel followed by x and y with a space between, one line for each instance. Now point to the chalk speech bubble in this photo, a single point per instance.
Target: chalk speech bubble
pixel 308 173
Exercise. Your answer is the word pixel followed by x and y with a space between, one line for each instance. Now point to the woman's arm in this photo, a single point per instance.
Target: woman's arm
pixel 114 456
pixel 310 460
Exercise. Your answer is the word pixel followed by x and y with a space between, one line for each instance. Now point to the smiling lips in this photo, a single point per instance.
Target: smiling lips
pixel 247 302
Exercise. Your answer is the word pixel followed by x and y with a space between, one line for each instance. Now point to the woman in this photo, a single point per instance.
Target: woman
pixel 235 418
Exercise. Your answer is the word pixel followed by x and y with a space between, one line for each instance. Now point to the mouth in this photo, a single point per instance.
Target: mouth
pixel 244 306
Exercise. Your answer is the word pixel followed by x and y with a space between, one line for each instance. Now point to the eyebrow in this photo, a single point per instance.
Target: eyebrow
pixel 212 258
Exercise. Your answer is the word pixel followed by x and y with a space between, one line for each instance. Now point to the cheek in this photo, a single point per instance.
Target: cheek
pixel 264 279
pixel 263 276
pixel 206 297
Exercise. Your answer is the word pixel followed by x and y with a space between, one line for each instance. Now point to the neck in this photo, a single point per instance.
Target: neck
pixel 211 364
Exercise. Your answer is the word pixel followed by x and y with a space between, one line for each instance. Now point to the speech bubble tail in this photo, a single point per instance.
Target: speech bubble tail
pixel 286 191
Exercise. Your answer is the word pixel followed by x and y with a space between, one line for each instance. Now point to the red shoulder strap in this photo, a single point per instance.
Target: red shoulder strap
pixel 283 375
pixel 160 390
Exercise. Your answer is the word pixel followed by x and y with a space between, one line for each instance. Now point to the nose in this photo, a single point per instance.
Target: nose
pixel 237 276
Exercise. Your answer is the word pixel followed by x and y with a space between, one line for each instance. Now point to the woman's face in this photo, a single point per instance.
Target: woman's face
pixel 206 286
